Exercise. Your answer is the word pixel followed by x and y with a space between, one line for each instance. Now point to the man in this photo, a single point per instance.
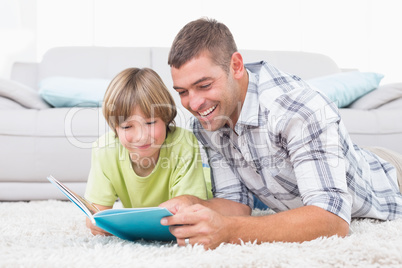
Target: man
pixel 268 134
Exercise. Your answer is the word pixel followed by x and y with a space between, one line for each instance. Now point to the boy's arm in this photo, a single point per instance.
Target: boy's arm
pixel 94 229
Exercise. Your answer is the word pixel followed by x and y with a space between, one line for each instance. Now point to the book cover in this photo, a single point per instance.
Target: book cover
pixel 127 223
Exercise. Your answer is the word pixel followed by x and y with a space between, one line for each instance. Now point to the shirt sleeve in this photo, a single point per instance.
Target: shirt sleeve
pixel 312 139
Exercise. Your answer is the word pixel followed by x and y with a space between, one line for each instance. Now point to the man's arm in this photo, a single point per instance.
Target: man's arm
pixel 207 227
pixel 296 225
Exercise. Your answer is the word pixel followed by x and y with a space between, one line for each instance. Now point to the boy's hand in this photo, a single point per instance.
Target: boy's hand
pixel 95 230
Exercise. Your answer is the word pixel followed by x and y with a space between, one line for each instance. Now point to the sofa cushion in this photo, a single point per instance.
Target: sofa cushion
pixel 21 94
pixel 7 104
pixel 381 96
pixel 60 91
pixel 392 105
pixel 344 88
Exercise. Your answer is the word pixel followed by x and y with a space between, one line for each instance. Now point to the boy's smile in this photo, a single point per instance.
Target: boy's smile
pixel 144 147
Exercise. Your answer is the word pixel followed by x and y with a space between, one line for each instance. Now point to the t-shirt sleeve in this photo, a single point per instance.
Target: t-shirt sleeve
pixel 99 188
pixel 188 177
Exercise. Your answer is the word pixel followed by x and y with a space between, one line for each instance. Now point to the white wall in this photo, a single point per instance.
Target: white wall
pixel 17 33
pixel 361 34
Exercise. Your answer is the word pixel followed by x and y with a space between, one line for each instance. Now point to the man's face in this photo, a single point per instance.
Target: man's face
pixel 208 92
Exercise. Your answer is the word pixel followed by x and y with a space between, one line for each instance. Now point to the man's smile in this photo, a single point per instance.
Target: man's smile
pixel 208 111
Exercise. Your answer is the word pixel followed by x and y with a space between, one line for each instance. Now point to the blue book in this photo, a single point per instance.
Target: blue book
pixel 127 223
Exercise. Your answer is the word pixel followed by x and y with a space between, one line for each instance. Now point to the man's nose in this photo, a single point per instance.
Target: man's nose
pixel 196 101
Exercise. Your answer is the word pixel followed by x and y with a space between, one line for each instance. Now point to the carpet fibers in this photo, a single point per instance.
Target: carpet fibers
pixel 53 234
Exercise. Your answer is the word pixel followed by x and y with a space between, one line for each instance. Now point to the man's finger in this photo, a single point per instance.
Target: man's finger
pixel 183 231
pixel 180 219
pixel 185 216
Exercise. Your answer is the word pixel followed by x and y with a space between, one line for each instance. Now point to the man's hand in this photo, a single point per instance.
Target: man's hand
pixel 179 202
pixel 200 225
pixel 202 221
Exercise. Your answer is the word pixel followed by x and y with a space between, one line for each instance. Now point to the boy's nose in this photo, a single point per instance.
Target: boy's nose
pixel 138 136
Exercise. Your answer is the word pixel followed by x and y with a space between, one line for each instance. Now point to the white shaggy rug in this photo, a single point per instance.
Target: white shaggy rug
pixel 53 234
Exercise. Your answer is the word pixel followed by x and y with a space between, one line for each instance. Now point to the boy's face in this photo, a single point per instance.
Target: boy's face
pixel 142 137
pixel 208 92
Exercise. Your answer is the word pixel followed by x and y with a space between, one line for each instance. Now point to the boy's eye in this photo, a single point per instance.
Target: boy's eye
pixel 151 122
pixel 125 127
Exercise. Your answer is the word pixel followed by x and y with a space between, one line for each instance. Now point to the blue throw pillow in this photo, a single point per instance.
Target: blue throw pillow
pixel 61 91
pixel 345 88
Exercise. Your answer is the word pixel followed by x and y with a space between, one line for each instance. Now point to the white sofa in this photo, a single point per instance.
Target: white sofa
pixel 57 141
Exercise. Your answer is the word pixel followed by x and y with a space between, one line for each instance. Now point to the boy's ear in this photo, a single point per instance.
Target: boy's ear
pixel 237 66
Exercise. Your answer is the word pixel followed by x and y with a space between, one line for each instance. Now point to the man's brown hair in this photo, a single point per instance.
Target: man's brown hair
pixel 203 35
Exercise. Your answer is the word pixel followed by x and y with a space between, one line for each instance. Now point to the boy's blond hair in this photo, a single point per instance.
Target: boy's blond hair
pixel 142 87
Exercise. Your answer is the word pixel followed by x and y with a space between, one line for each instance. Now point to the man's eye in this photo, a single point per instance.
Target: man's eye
pixel 205 86
pixel 182 92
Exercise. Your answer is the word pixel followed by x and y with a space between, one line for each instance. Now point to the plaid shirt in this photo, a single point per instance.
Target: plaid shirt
pixel 292 149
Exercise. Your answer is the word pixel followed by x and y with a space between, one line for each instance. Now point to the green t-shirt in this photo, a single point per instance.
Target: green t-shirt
pixel 178 171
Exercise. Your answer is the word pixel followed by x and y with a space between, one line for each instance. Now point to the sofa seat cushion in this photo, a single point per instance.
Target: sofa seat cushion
pixel 58 142
pixel 54 122
pixel 376 127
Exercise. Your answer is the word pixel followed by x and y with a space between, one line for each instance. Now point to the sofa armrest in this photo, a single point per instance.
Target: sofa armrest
pixel 25 73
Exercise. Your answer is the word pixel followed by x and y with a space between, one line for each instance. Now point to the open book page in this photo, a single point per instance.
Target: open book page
pixel 86 206
pixel 127 223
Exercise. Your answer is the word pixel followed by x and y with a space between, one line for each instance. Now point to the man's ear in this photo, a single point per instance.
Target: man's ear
pixel 236 65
